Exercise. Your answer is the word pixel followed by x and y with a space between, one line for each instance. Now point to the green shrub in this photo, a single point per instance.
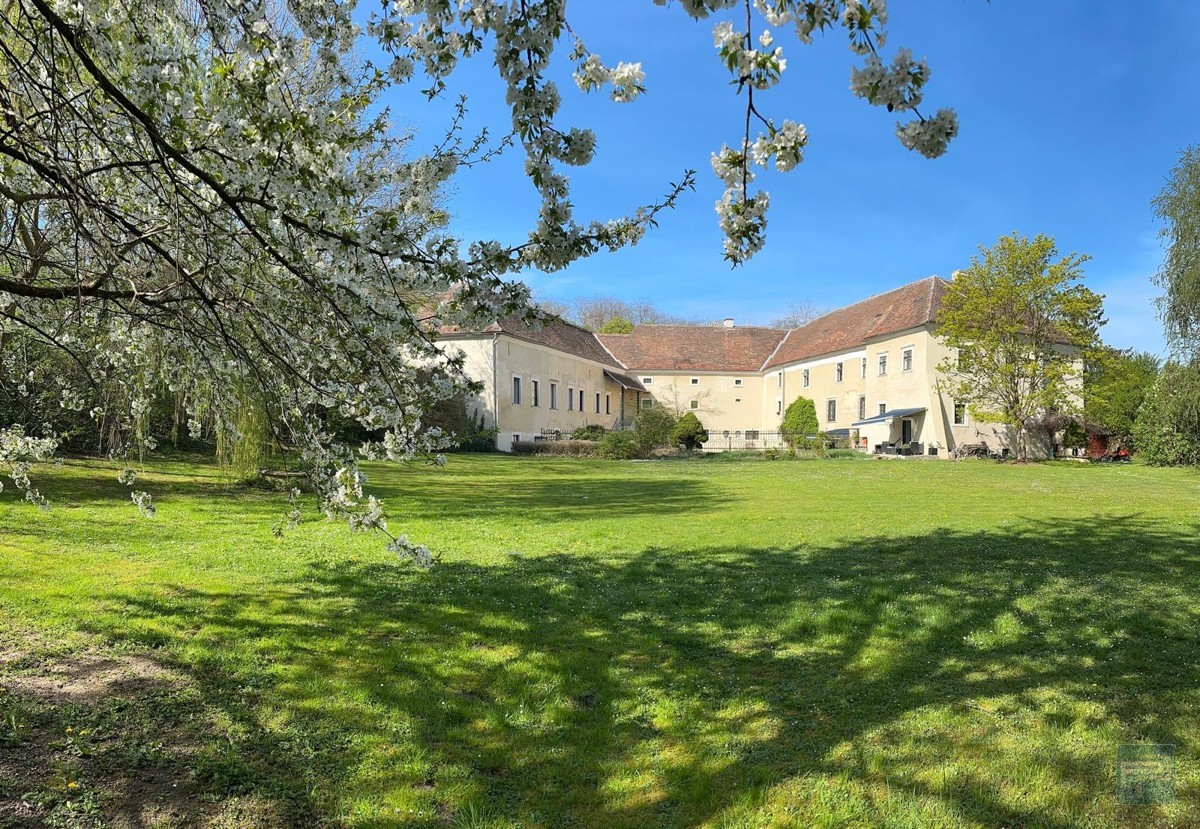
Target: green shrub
pixel 593 431
pixel 619 446
pixel 653 429
pixel 561 448
pixel 799 422
pixel 771 454
pixel 689 432
pixel 1167 430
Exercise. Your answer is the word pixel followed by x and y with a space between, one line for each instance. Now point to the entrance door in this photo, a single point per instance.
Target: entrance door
pixel 906 431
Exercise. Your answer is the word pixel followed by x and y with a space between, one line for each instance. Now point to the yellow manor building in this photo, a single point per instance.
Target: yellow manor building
pixel 871 369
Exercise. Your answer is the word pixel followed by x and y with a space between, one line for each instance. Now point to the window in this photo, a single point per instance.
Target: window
pixel 695 404
pixel 516 391
pixel 882 364
pixel 581 400
pixel 804 378
pixel 864 367
pixel 778 407
pixel 883 408
pixel 570 399
pixel 537 392
pixel 839 372
pixel 647 381
pixel 906 359
pixel 960 414
pixel 516 438
pixel 647 403
pixel 862 407
pixel 779 379
pixel 737 400
pixel 554 395
pixel 737 381
pixel 751 434
pixel 597 402
pixel 695 381
pixel 608 404
pixel 831 410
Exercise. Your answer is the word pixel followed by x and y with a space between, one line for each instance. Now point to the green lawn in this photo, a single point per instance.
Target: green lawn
pixel 605 644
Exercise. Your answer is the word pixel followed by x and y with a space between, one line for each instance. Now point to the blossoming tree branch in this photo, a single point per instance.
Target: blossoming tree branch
pixel 211 200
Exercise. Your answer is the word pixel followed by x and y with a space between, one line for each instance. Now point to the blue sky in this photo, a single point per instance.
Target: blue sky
pixel 1072 113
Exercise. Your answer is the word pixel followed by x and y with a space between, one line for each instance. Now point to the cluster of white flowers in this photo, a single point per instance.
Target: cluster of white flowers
pixel 929 136
pixel 144 502
pixel 626 78
pixel 897 87
pixel 18 452
pixel 785 144
pixel 418 554
pixel 744 222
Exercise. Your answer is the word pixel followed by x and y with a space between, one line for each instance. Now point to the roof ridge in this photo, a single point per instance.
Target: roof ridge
pixel 608 351
pixel 775 350
pixel 867 299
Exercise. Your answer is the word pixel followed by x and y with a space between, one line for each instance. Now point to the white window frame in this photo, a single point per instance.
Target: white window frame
pixel 516 390
pixel 553 395
pixel 906 356
pixel 881 362
pixel 535 393
pixel 882 408
pixel 864 368
pixel 647 402
pixel 804 378
pixel 831 403
pixel 695 381
pixel 954 413
pixel 694 405
pixel 839 371
pixel 737 381
pixel 646 381
pixel 607 403
pixel 862 407
pixel 597 402
pixel 570 399
pixel 581 401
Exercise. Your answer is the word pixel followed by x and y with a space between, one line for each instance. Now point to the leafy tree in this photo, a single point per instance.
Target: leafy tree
pixel 1021 326
pixel 799 422
pixel 1114 387
pixel 208 200
pixel 620 446
pixel 689 432
pixel 1167 431
pixel 653 428
pixel 617 325
pixel 1178 207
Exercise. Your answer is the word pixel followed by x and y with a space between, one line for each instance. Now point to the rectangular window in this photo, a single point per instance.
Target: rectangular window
pixel 779 379
pixel 804 380
pixel 778 407
pixel 751 434
pixel 831 410
pixel 864 367
pixel 597 402
pixel 906 359
pixel 647 381
pixel 737 400
pixel 608 404
pixel 737 381
pixel 554 395
pixel 960 414
pixel 647 403
pixel 516 438
pixel 581 400
pixel 883 408
pixel 862 407
pixel 536 388
pixel 695 381
pixel 570 399
pixel 516 391
pixel 695 404
pixel 839 372
pixel 882 364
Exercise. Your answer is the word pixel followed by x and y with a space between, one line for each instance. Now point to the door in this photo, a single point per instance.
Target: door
pixel 906 431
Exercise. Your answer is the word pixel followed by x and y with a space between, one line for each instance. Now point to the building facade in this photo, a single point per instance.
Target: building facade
pixel 871 369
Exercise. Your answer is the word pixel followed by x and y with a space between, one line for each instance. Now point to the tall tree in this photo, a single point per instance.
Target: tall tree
pixel 1178 207
pixel 1021 326
pixel 1115 386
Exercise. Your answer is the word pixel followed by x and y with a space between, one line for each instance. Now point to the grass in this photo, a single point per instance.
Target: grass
pixel 605 644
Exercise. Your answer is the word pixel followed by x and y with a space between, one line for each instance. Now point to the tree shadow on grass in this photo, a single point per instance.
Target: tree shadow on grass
pixel 957 678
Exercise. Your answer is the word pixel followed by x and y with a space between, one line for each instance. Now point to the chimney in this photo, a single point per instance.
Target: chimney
pixel 729 322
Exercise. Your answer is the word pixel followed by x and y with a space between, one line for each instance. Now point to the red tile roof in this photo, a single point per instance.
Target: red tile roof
pixel 693 347
pixel 908 306
pixel 557 333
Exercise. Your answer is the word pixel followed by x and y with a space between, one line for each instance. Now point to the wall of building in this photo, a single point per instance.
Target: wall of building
pixel 723 401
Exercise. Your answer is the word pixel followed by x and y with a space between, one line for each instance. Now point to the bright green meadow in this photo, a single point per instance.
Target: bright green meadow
pixel 676 643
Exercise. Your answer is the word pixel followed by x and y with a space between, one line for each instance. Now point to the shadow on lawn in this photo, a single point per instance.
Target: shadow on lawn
pixel 671 688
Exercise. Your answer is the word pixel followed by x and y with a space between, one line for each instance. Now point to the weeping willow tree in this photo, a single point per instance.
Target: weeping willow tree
pixel 244 443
